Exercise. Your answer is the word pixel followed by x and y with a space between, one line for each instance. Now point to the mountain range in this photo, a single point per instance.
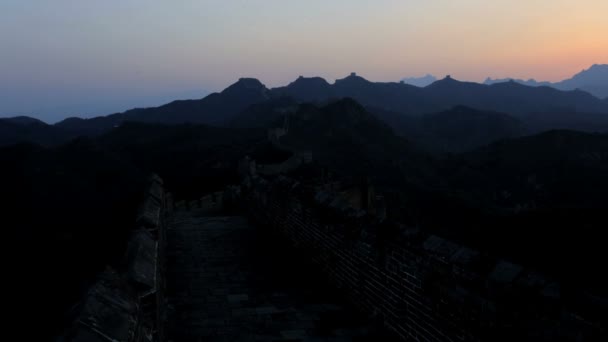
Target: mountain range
pixel 214 109
pixel 448 115
pixel 444 94
pixel 593 80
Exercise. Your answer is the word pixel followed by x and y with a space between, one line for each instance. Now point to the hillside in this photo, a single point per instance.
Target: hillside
pixel 544 190
pixel 23 120
pixel 217 108
pixel 593 80
pixel 264 114
pixel 566 120
pixel 536 161
pixel 25 129
pixel 458 129
pixel 307 89
pixel 462 128
pixel 192 159
pixel 348 139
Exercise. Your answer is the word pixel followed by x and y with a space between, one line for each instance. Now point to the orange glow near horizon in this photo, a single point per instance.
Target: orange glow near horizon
pixel 67 52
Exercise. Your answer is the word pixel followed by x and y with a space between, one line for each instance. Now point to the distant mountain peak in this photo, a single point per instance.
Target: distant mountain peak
pixel 446 81
pixel 598 67
pixel 597 72
pixel 420 81
pixel 24 120
pixel 353 78
pixel 593 80
pixel 509 84
pixel 249 83
pixel 250 86
pixel 309 81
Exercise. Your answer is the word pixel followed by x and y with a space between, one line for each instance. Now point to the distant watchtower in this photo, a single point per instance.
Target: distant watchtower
pixel 353 74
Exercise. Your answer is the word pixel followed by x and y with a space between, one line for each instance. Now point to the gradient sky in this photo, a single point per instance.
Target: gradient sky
pixel 84 57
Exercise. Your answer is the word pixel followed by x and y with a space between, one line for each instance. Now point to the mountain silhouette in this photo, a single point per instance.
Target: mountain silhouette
pixel 248 103
pixel 25 129
pixel 217 108
pixel 24 120
pixel 352 141
pixel 391 96
pixel 444 94
pixel 420 81
pixel 311 89
pixel 221 108
pixel 531 82
pixel 593 80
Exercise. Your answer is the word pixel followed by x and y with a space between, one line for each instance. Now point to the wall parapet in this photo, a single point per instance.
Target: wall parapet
pixel 423 287
pixel 129 304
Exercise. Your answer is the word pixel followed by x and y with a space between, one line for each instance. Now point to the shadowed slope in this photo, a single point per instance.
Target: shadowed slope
pixel 217 108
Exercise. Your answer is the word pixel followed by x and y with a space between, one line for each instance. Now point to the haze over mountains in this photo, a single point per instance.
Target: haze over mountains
pixel 593 80
pixel 420 81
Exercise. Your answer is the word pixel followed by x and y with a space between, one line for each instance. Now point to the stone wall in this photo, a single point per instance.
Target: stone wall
pixel 129 304
pixel 423 287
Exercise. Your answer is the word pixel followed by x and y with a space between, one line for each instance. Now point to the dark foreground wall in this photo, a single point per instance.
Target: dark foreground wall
pixel 422 287
pixel 128 304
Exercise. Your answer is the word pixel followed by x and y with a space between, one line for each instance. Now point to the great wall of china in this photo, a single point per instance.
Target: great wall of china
pixel 188 274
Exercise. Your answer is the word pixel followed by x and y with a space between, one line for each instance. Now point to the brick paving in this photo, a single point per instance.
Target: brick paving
pixel 228 281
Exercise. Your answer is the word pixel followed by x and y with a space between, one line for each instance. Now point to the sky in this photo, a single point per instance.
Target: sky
pixel 84 58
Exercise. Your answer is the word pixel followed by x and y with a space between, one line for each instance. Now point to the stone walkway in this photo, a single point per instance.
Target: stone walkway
pixel 226 281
